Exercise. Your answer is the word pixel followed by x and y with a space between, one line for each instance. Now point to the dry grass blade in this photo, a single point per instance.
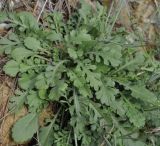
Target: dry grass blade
pixel 6 120
pixel 42 10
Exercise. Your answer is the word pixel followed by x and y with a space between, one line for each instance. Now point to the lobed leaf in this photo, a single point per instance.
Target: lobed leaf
pixel 24 128
pixel 11 68
pixel 32 43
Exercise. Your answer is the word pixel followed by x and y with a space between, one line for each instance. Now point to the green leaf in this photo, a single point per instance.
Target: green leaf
pixel 83 36
pixel 58 19
pixel 77 104
pixel 58 91
pixel 24 67
pixel 41 82
pixel 130 142
pixel 11 68
pixel 153 116
pixel 45 135
pixel 14 37
pixel 26 81
pixel 32 43
pixel 112 54
pixel 53 36
pixel 139 91
pixel 85 9
pixel 42 93
pixel 3 16
pixel 79 37
pixel 24 128
pixel 34 102
pixel 136 62
pixel 118 107
pixel 135 116
pixel 28 20
pixel 72 53
pixel 5 41
pixel 106 95
pixel 94 79
pixel 88 71
pixel 79 82
pixel 6 45
pixel 20 54
pixel 17 102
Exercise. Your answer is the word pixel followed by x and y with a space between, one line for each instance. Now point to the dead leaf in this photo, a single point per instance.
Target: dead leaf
pixel 45 114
